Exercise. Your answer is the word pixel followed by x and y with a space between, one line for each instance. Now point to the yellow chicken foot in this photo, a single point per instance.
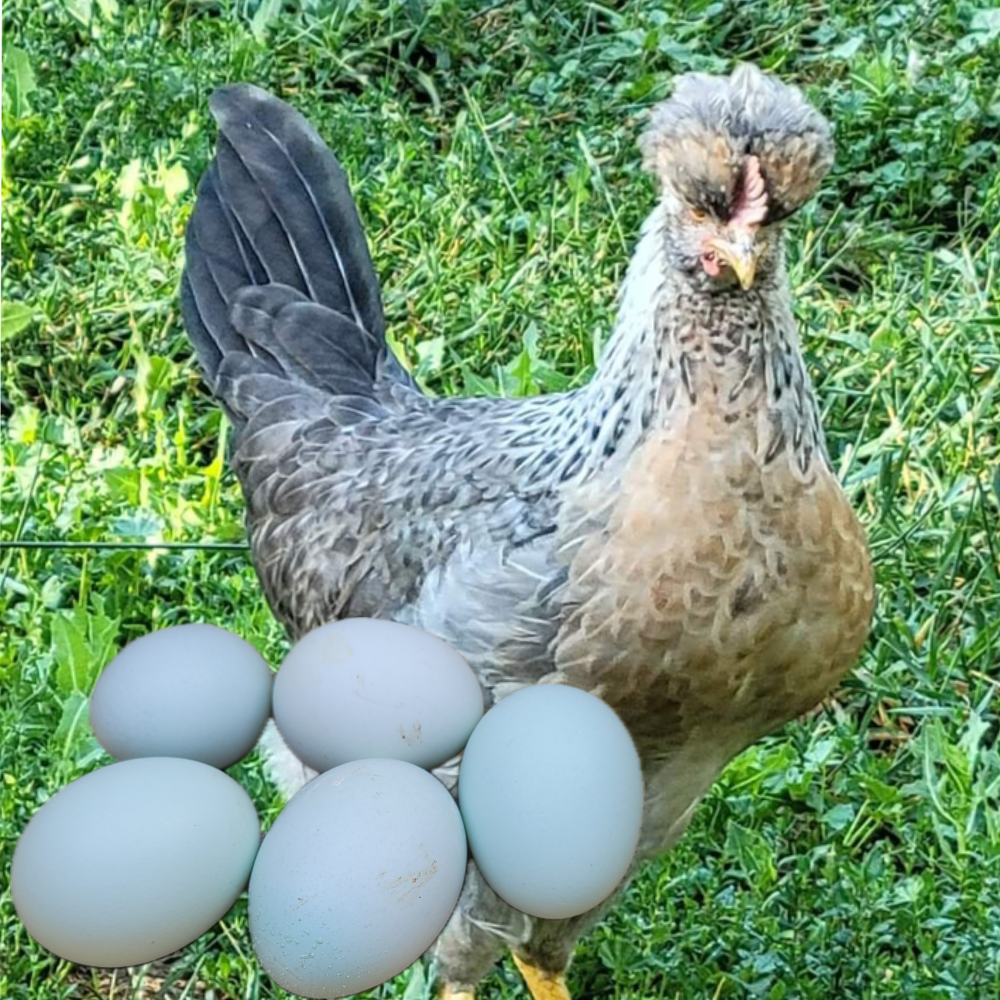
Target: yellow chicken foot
pixel 542 984
pixel 449 992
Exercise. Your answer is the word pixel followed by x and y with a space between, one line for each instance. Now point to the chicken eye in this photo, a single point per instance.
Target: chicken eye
pixel 698 215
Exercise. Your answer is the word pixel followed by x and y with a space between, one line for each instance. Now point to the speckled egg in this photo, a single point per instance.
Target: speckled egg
pixel 194 691
pixel 356 878
pixel 362 688
pixel 551 791
pixel 133 861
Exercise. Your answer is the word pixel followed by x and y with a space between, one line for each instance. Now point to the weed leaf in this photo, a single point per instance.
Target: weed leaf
pixel 18 83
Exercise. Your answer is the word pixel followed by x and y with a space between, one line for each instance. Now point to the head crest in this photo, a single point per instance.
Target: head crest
pixel 745 143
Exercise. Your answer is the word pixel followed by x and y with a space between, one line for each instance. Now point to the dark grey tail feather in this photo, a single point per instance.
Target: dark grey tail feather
pixel 251 383
pixel 212 276
pixel 255 306
pixel 311 343
pixel 277 267
pixel 256 393
pixel 308 194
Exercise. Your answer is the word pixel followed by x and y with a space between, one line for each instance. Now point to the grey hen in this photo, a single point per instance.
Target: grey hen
pixel 670 537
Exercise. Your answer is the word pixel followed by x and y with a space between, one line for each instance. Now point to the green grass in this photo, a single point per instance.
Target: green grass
pixel 855 855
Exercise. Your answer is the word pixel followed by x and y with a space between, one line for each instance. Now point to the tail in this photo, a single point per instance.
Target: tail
pixel 279 292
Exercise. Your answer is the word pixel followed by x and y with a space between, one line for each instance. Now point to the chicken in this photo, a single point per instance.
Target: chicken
pixel 670 537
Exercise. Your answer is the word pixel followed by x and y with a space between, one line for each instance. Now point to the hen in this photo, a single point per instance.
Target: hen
pixel 670 537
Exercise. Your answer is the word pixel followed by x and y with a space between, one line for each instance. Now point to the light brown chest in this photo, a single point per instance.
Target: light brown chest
pixel 710 593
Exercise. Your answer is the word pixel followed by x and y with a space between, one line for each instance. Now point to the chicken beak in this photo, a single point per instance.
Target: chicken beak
pixel 741 255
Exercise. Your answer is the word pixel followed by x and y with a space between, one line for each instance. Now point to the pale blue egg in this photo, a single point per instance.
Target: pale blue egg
pixel 550 789
pixel 363 687
pixel 195 691
pixel 134 860
pixel 356 878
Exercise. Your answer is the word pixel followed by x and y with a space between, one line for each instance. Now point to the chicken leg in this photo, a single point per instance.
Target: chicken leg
pixel 451 993
pixel 542 984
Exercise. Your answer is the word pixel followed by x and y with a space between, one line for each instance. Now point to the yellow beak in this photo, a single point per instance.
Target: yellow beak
pixel 741 255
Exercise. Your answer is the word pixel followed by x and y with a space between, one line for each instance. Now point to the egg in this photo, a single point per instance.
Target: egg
pixel 356 878
pixel 550 788
pixel 133 861
pixel 362 687
pixel 193 691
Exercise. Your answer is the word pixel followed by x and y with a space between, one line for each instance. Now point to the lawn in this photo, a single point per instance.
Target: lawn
pixel 492 148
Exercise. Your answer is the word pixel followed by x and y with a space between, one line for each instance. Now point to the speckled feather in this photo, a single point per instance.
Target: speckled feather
pixel 670 537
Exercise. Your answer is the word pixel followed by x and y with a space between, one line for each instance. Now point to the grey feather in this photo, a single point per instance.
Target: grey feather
pixel 314 345
pixel 274 225
pixel 301 195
